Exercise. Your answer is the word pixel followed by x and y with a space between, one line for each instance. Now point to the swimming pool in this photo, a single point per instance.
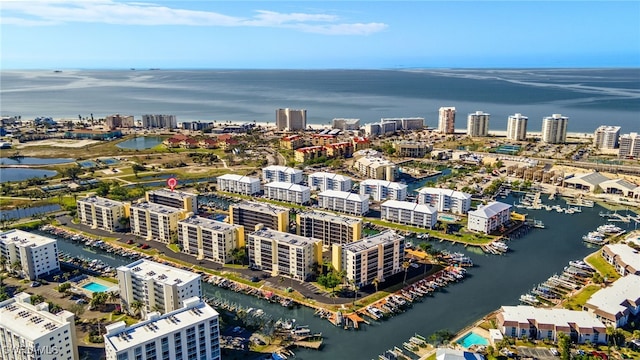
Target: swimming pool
pixel 447 218
pixel 472 339
pixel 95 287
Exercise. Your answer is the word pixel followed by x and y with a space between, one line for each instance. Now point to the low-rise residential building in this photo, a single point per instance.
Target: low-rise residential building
pixel 339 149
pixel 292 142
pixel 376 168
pixel 413 149
pixel 375 257
pixel 281 173
pixel 174 198
pixel 156 286
pixel 36 254
pixel 381 190
pixel 330 228
pixel 285 254
pixel 309 153
pixel 189 332
pixel 623 257
pixel 155 222
pixel 251 213
pixel 615 304
pixel 323 139
pixel 360 143
pixel 208 239
pixel 405 212
pixel 29 332
pixel 101 213
pixel 288 192
pixel 343 201
pixel 547 323
pixel 238 184
pixel 445 200
pixel 329 181
pixel 490 217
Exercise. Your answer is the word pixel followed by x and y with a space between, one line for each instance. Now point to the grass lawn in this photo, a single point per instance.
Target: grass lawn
pixel 174 247
pixel 578 300
pixel 602 266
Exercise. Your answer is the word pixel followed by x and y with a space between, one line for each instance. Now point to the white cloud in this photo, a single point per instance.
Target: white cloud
pixel 38 13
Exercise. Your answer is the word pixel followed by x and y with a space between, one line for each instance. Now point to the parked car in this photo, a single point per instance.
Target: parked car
pixel 35 284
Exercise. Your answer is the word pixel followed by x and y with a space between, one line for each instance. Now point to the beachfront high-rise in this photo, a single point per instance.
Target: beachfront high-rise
pixel 159 121
pixel 208 239
pixel 517 127
pixel 606 137
pixel 330 228
pixel 101 213
pixel 478 124
pixel 291 120
pixel 346 124
pixel 554 129
pixel 447 120
pixel 629 146
pixel 36 254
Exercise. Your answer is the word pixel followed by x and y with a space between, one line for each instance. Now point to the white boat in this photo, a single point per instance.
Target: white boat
pixel 581 265
pixel 529 299
pixel 594 237
pixel 608 229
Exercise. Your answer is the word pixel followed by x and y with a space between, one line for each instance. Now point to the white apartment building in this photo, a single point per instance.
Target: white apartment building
pixel 478 124
pixel 376 168
pixel 383 190
pixel 281 173
pixel 37 254
pixel 414 149
pixel 554 129
pixel 490 217
pixel 343 201
pixel 629 146
pixel 411 123
pixel 159 121
pixel 291 120
pixel 329 228
pixel 445 200
pixel 623 257
pixel 100 213
pixel 238 184
pixel 190 332
pixel 177 199
pixel 154 222
pixel 285 254
pixel 157 286
pixel 285 191
pixel 405 212
pixel 606 137
pixel 380 129
pixel 346 124
pixel 208 239
pixel 517 127
pixel 615 304
pixel 323 181
pixel 375 257
pixel 30 332
pixel 447 120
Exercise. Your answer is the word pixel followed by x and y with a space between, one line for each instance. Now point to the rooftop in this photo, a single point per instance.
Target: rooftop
pixel 240 178
pixel 336 177
pixel 385 237
pixel 156 208
pixel 446 192
pixel 490 210
pixel 618 297
pixel 594 178
pixel 386 183
pixel 281 168
pixel 31 322
pixel 344 195
pixel 330 217
pixel 175 194
pixel 283 237
pixel 407 205
pixel 260 207
pixel 100 201
pixel 160 273
pixel 626 254
pixel 25 239
pixel 551 316
pixel 208 223
pixel 287 186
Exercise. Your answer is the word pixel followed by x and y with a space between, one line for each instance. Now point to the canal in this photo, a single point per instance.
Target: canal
pixel 492 282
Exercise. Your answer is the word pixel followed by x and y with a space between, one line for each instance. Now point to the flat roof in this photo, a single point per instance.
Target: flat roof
pixel 240 178
pixel 208 223
pixel 160 273
pixel 489 210
pixel 626 253
pixel 328 175
pixel 344 195
pixel 29 321
pixel 25 239
pixel 283 237
pixel 623 294
pixel 260 207
pixel 281 168
pixel 407 205
pixel 175 194
pixel 321 215
pixel 100 201
pixel 385 237
pixel 447 192
pixel 157 208
pixel 551 316
pixel 386 183
pixel 287 186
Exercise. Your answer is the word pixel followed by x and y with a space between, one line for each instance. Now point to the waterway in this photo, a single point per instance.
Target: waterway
pixel 140 143
pixel 21 174
pixel 28 211
pixel 493 281
pixel 34 161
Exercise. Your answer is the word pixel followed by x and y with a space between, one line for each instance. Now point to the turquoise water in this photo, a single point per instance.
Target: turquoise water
pixel 95 287
pixel 447 218
pixel 472 339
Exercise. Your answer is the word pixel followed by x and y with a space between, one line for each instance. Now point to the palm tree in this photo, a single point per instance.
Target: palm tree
pixel 136 306
pixel 376 282
pixel 57 278
pixel 113 296
pixel 16 266
pixel 3 262
pixel 66 275
pixel 405 266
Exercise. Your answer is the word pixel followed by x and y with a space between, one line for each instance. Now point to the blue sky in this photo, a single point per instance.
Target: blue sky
pixel 306 34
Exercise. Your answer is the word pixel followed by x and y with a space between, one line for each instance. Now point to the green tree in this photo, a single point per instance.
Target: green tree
pixel 239 255
pixel 564 344
pixel 36 299
pixel 137 168
pixel 405 266
pixel 376 282
pixel 57 278
pixel 137 306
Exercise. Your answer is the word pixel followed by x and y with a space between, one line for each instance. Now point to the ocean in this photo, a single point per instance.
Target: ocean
pixel 589 97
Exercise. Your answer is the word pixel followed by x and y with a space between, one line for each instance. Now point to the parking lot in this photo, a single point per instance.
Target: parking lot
pixel 536 353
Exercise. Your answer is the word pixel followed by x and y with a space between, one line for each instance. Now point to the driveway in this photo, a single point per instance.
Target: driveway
pixel 536 353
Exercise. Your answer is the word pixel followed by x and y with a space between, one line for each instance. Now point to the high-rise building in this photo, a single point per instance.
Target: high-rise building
pixel 554 129
pixel 251 213
pixel 517 127
pixel 630 146
pixel 159 121
pixel 177 199
pixel 157 286
pixel 447 120
pixel 36 254
pixel 154 222
pixel 101 213
pixel 29 332
pixel 412 123
pixel 291 120
pixel 346 124
pixel 478 124
pixel 330 228
pixel 119 121
pixel 189 332
pixel 606 137
pixel 208 239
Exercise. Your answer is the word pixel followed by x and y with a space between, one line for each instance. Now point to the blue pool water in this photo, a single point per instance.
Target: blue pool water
pixel 447 218
pixel 472 339
pixel 95 287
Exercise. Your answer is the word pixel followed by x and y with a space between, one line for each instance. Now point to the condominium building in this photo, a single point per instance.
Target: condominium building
pixel 292 142
pixel 445 200
pixel 307 153
pixel 360 143
pixel 281 173
pixel 343 201
pixel 623 257
pixel 323 138
pixel 288 192
pixel 251 213
pixel 329 228
pixel 329 181
pixel 616 304
pixel 159 121
pixel 189 332
pixel 375 257
pixel 411 123
pixel 629 146
pixel 606 137
pixel 383 190
pixel 413 149
pixel 405 212
pixel 239 184
pixel 119 121
pixel 490 217
pixel 30 332
pixel 340 149
pixel 291 120
pixel 285 254
pixel 554 129
pixel 478 124
pixel 447 120
pixel 346 124
pixel 177 199
pixel 208 239
pixel 380 129
pixel 545 323
pixel 154 222
pixel 376 168
pixel 517 127
pixel 157 286
pixel 36 254
pixel 101 213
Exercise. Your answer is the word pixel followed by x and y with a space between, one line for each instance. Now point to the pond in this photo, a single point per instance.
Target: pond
pixel 20 174
pixel 34 161
pixel 28 212
pixel 140 143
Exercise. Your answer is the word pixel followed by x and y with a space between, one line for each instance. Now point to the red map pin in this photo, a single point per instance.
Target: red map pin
pixel 172 183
